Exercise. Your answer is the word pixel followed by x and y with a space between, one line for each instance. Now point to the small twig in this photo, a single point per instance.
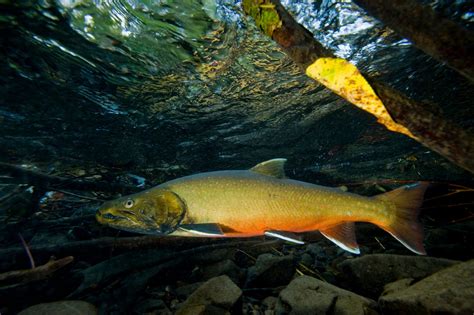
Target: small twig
pixel 380 243
pixel 462 187
pixel 247 254
pixel 449 206
pixel 54 182
pixel 456 191
pixel 102 246
pixel 38 273
pixel 79 196
pixel 464 219
pixel 277 251
pixel 28 252
pixel 305 268
pixel 311 271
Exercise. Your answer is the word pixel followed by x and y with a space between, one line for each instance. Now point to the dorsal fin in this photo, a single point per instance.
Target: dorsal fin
pixel 275 168
pixel 343 235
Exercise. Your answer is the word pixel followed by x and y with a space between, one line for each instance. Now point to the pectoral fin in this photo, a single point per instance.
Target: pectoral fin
pixel 343 235
pixel 287 236
pixel 206 229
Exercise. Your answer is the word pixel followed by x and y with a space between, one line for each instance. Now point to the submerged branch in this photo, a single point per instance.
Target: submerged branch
pixel 102 246
pixel 54 182
pixel 437 36
pixel 34 274
pixel 432 130
pixel 423 121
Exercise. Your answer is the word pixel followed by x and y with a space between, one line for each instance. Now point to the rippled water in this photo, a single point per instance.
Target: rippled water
pixel 193 85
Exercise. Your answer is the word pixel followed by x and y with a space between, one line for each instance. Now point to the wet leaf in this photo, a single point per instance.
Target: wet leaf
pixel 265 15
pixel 344 78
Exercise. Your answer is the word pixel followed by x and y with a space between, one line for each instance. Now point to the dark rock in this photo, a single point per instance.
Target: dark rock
pixel 61 308
pixel 369 274
pixel 307 295
pixel 271 271
pixel 48 238
pixel 315 249
pixel 187 289
pixel 203 310
pixel 449 291
pixel 269 303
pixel 78 233
pixel 225 267
pixel 396 286
pixel 307 260
pixel 152 305
pixel 215 296
pixel 455 241
pixel 329 277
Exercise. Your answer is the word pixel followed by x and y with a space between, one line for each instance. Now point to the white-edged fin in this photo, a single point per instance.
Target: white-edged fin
pixel 275 168
pixel 404 225
pixel 205 229
pixel 343 235
pixel 287 236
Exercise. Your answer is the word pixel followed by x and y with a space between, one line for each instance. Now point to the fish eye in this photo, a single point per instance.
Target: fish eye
pixel 129 203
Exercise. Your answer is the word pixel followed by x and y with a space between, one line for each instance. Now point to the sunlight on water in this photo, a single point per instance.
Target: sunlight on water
pixel 190 74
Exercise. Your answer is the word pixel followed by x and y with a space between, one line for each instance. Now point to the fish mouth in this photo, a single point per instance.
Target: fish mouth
pixel 131 224
pixel 112 217
pixel 108 218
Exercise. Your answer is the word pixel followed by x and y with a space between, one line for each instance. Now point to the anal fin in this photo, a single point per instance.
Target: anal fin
pixel 343 235
pixel 287 236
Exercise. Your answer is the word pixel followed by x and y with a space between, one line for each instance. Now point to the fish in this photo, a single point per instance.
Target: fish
pixel 263 201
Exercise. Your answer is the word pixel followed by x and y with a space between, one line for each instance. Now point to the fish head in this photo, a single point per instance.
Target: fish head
pixel 155 211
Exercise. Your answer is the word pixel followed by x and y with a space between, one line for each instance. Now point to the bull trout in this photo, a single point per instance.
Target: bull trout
pixel 262 201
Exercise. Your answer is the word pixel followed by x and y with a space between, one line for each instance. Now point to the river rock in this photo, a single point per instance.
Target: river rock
pixel 271 271
pixel 187 289
pixel 152 305
pixel 61 308
pixel 369 274
pixel 225 267
pixel 396 286
pixel 216 296
pixel 270 302
pixel 308 295
pixel 449 291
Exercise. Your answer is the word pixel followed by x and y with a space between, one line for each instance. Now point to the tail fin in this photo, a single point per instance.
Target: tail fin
pixel 405 226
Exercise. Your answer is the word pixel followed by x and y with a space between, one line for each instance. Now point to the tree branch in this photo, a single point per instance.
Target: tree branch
pixel 423 120
pixel 56 182
pixel 437 36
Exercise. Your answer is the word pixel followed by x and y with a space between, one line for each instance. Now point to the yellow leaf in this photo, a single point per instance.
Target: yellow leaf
pixel 344 79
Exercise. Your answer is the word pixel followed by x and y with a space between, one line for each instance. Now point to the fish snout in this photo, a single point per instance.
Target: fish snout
pixel 100 216
pixel 106 214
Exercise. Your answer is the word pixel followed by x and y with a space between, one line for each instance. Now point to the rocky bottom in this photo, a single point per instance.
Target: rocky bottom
pixel 253 276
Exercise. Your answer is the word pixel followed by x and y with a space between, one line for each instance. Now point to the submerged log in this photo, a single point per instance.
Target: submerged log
pixel 15 256
pixel 423 121
pixel 34 274
pixel 47 181
pixel 437 36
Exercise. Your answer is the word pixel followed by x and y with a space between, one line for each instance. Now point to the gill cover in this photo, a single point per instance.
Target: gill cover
pixel 172 210
pixel 155 211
